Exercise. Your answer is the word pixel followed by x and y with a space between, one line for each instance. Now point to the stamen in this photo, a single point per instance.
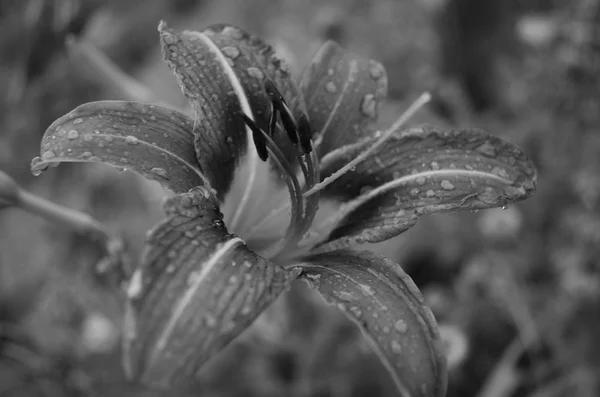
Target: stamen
pixel 287 118
pixel 413 108
pixel 272 120
pixel 305 133
pixel 257 135
pixel 296 199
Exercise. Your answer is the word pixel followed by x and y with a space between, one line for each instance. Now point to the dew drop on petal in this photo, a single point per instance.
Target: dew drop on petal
pixel 401 326
pixel 217 223
pixel 330 87
pixel 501 172
pixel 130 139
pixel 367 290
pixel 193 278
pixel 421 180
pixel 73 134
pixel 414 192
pixel 375 70
pixel 78 121
pixel 487 149
pixel 396 347
pixel 435 165
pixel 447 185
pixel 210 320
pixel 159 171
pixel 231 52
pixel 344 295
pixel 135 288
pixel 368 106
pixel 256 73
pixel 356 311
pixel 430 193
pixel 48 155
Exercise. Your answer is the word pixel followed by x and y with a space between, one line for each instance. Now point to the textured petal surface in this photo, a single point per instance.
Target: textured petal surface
pixel 342 92
pixel 197 288
pixel 222 71
pixel 376 294
pixel 151 140
pixel 422 171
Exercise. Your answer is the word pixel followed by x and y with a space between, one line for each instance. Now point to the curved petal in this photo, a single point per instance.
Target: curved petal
pixel 343 92
pixel 151 140
pixel 222 71
pixel 196 289
pixel 383 301
pixel 422 171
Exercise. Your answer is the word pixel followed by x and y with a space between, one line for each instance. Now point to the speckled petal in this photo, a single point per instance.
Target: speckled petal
pixel 423 171
pixel 196 289
pixel 151 140
pixel 383 301
pixel 343 92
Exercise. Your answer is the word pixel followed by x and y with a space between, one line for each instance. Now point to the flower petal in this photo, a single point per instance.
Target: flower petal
pixel 383 301
pixel 343 92
pixel 222 71
pixel 154 141
pixel 422 171
pixel 197 288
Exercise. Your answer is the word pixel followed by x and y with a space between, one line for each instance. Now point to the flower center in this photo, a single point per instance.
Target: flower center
pixel 299 133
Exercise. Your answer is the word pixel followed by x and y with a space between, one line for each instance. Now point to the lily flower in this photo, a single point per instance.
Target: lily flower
pixel 276 180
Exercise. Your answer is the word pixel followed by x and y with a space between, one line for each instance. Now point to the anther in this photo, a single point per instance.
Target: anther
pixel 279 104
pixel 305 133
pixel 259 140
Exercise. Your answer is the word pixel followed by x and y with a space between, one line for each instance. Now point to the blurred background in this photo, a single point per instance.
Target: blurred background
pixel 516 291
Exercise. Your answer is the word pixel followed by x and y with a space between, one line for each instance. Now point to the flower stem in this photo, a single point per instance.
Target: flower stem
pixel 12 194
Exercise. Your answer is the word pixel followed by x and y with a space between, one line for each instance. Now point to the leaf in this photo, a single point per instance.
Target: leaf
pixel 343 92
pixel 383 301
pixel 196 289
pixel 151 140
pixel 423 171
pixel 221 71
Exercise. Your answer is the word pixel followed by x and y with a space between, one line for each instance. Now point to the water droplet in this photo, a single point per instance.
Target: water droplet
pixel 501 172
pixel 130 139
pixel 330 72
pixel 73 134
pixel 356 311
pixel 247 264
pixel 231 52
pixel 159 171
pixel 78 121
pixel 330 87
pixel 396 347
pixel 256 73
pixel 414 192
pixel 88 138
pixel 193 278
pixel 61 132
pixel 468 167
pixel 210 320
pixel 48 155
pixel 365 189
pixel 435 165
pixel 430 193
pixel 385 329
pixel 218 223
pixel 367 290
pixel 421 180
pixel 135 288
pixel 233 279
pixel 487 149
pixel 368 106
pixel 344 295
pixel 401 326
pixel 447 185
pixel 505 207
pixel 245 310
pixel 375 70
pixel 170 269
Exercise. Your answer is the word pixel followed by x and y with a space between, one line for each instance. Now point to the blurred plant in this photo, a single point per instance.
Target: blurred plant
pixel 251 136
